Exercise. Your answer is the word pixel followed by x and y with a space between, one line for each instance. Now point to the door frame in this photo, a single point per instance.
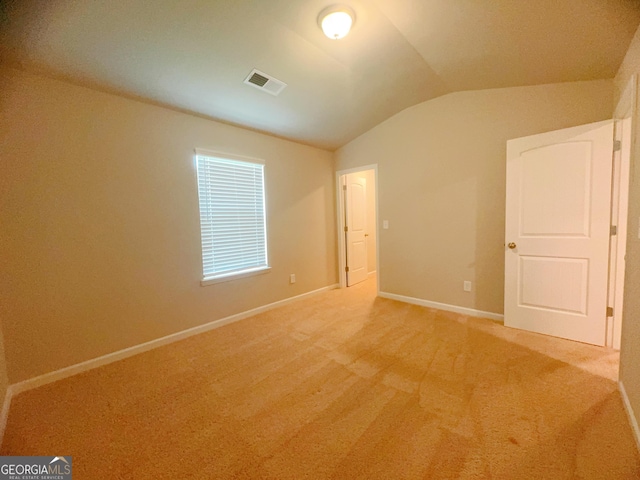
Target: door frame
pixel 625 109
pixel 340 217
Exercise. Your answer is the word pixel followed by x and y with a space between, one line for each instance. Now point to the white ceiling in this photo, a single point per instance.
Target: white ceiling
pixel 193 55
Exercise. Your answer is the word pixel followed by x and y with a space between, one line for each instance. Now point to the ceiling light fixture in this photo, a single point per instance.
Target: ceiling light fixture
pixel 336 21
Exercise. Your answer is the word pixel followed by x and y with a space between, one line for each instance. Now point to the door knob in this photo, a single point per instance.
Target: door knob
pixel 511 245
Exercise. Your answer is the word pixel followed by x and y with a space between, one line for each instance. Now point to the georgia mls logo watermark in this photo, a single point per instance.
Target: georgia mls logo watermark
pixel 35 468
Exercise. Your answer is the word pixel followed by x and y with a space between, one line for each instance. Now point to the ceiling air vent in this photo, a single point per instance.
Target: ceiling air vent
pixel 264 82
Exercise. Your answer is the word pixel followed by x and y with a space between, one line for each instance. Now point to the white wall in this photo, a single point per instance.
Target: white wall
pixel 100 225
pixel 441 181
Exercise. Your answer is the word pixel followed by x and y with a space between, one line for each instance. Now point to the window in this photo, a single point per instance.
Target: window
pixel 232 216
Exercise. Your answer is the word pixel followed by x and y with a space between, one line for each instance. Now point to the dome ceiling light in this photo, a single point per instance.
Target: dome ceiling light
pixel 336 21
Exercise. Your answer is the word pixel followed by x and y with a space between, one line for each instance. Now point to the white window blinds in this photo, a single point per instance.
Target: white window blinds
pixel 232 216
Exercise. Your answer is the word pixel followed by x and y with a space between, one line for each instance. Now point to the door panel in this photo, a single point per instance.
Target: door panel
pixel 537 291
pixel 556 190
pixel 356 216
pixel 557 221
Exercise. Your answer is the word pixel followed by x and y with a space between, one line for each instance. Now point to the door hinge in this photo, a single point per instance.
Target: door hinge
pixel 617 145
pixel 346 269
pixel 346 229
pixel 614 230
pixel 609 311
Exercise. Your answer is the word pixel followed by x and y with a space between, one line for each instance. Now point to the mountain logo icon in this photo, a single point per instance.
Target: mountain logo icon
pixel 59 459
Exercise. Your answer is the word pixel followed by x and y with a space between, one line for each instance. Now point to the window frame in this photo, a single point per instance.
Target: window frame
pixel 247 272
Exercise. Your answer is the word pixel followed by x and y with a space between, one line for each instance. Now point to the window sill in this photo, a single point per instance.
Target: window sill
pixel 234 276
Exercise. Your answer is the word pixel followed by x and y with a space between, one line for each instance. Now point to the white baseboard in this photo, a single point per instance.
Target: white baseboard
pixel 4 414
pixel 144 347
pixel 372 274
pixel 443 306
pixel 633 420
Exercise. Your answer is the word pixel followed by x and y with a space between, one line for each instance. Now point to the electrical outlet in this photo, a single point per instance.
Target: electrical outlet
pixel 292 278
pixel 467 286
pixel 385 224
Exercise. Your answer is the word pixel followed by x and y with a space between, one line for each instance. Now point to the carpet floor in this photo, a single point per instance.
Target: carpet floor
pixel 340 385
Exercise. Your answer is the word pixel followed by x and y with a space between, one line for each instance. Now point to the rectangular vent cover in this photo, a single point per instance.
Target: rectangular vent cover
pixel 264 82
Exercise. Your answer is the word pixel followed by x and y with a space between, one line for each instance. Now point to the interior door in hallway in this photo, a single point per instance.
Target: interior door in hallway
pixel 557 232
pixel 356 228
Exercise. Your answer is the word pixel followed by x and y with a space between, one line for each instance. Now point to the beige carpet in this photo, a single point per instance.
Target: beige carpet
pixel 342 385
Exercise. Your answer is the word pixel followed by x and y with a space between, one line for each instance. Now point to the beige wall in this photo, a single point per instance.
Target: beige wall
pixel 441 184
pixel 100 230
pixel 630 348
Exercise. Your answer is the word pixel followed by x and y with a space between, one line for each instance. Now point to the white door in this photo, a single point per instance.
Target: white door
pixel 557 232
pixel 356 218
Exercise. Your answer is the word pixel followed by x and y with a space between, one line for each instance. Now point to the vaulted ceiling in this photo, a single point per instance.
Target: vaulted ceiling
pixel 193 55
